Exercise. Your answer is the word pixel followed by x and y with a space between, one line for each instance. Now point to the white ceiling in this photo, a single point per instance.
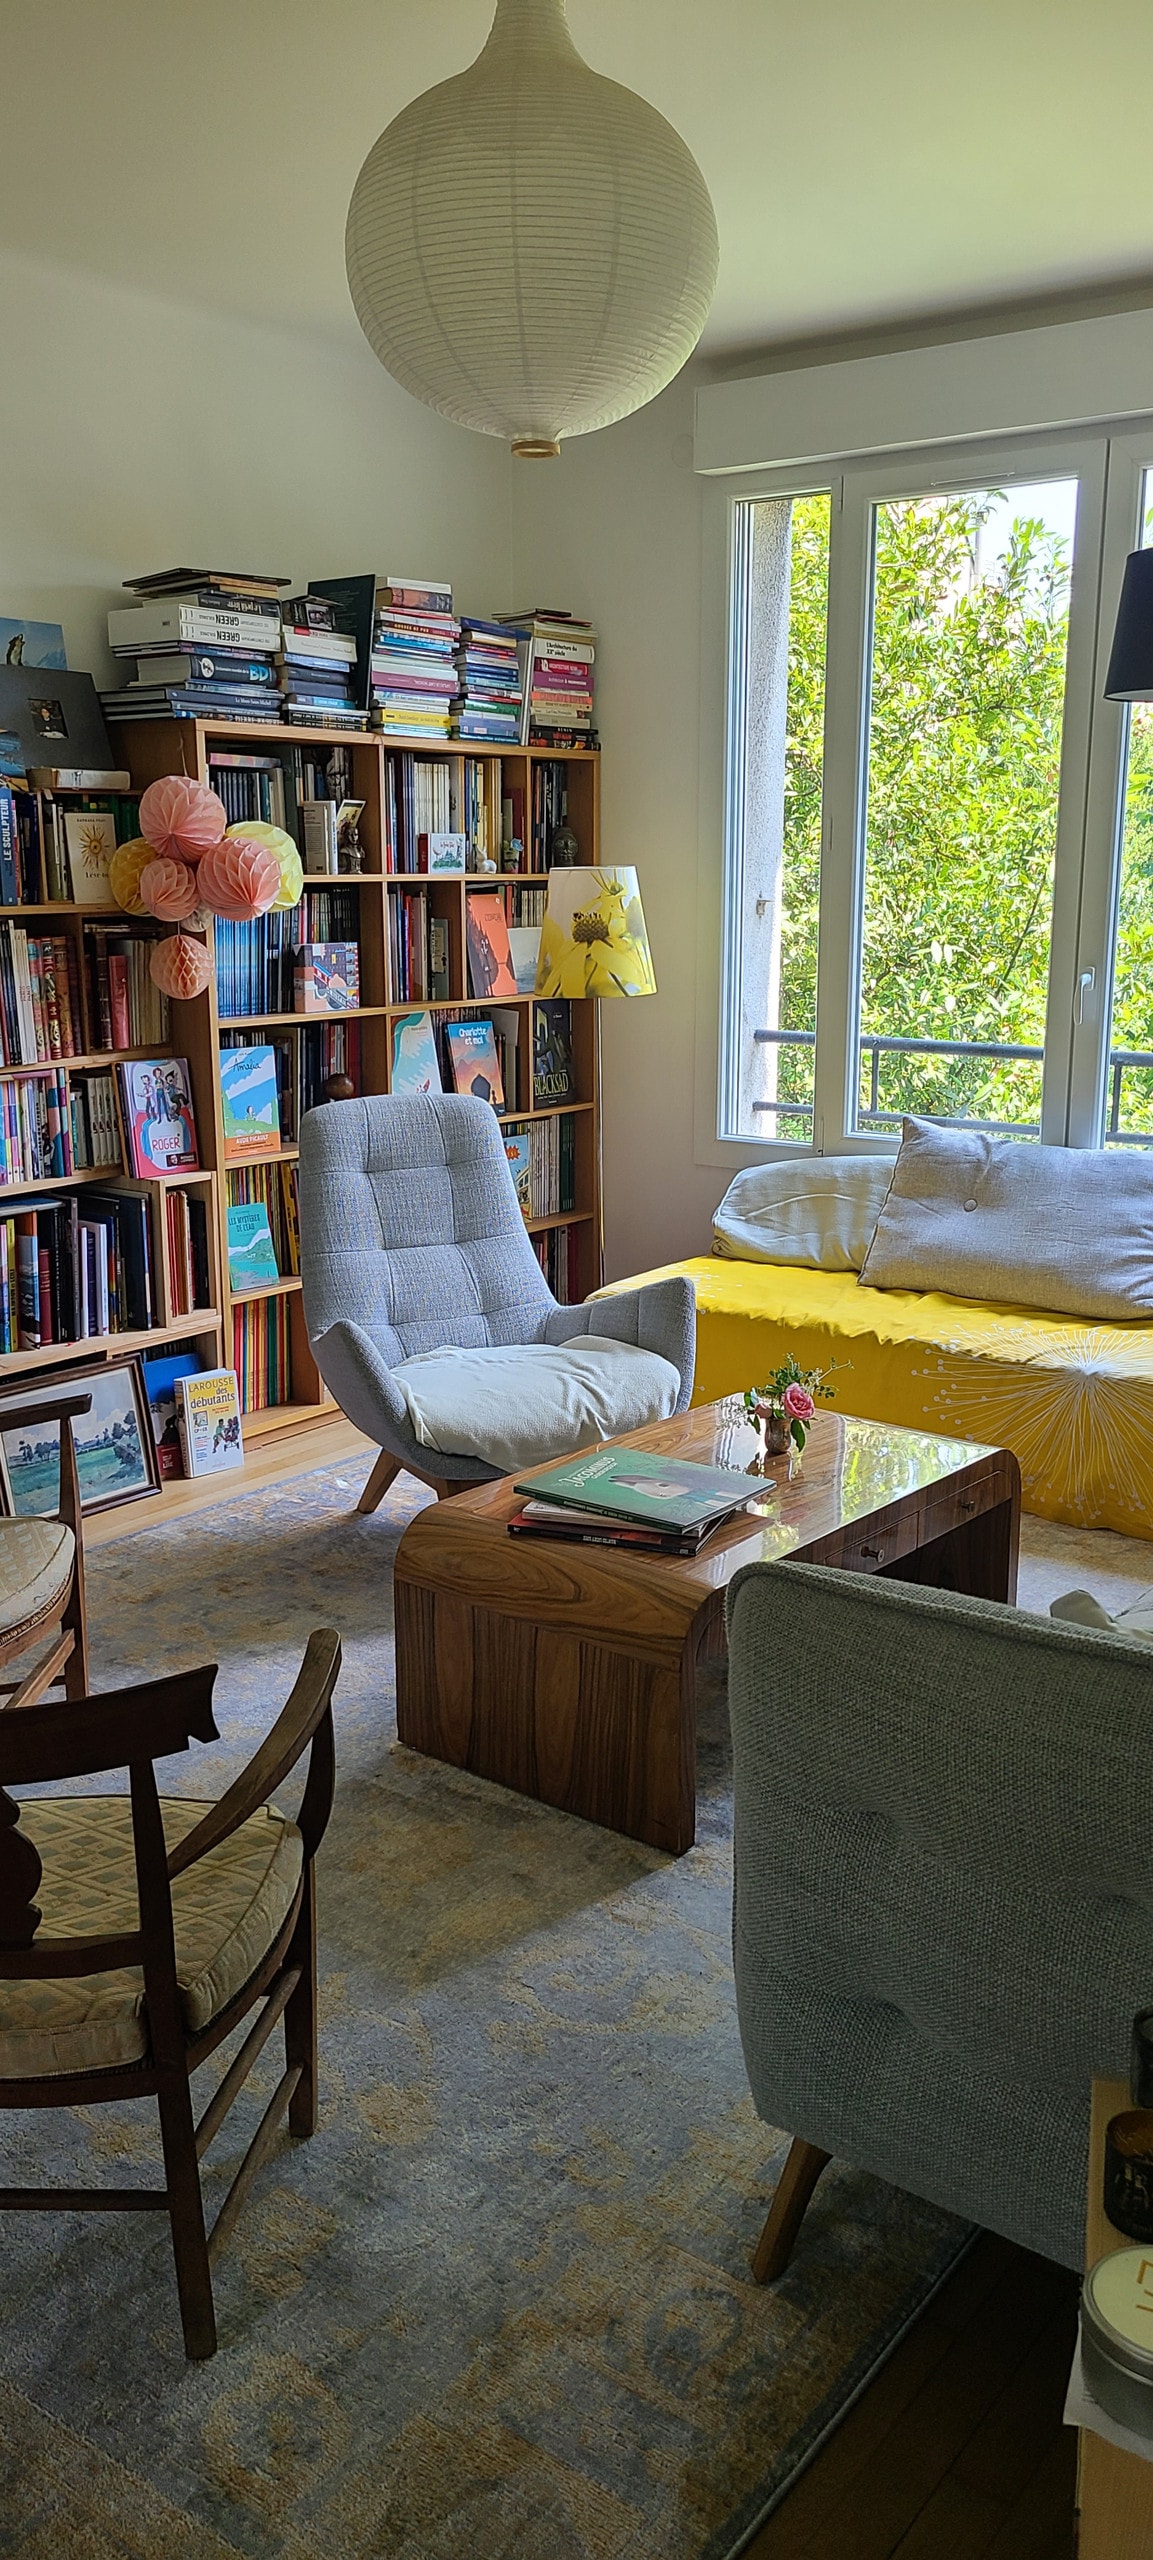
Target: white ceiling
pixel 868 159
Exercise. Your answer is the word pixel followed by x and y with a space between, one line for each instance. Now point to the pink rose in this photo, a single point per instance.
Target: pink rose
pixel 799 1404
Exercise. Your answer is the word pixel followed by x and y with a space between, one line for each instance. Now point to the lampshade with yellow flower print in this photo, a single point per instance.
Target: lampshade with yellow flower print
pixel 593 940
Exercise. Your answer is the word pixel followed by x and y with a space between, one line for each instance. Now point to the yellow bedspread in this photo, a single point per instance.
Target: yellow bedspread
pixel 1073 1400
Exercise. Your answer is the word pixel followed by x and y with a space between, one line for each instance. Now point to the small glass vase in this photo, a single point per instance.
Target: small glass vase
pixel 777 1435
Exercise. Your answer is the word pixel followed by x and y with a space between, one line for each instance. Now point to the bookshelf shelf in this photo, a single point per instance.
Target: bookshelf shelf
pixel 114 1346
pixel 268 1289
pixel 104 1173
pixel 281 1380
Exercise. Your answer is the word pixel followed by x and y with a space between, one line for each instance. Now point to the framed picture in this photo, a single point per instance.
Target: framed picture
pixel 50 715
pixel 115 1446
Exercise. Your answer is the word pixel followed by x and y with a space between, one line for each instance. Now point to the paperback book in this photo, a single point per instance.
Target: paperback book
pixel 249 1100
pixel 490 968
pixel 210 1422
pixel 473 1059
pixel 160 1383
pixel 415 1065
pixel 159 1120
pixel 252 1262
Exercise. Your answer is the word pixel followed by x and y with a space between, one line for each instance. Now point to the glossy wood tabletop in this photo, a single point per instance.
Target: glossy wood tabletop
pixel 862 1495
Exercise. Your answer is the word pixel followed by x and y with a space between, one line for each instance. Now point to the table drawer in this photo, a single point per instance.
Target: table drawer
pixel 866 1546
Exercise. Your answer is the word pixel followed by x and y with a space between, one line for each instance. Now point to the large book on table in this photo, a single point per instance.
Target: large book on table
pixel 646 1486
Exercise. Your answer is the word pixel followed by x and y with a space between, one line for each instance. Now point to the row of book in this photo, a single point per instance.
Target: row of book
pixel 189 1273
pixel 558 1251
pixel 268 1084
pixel 262 1353
pixel 542 1159
pixel 263 1214
pixel 275 788
pixel 481 1053
pixel 42 1011
pixel 56 852
pixel 418 950
pixel 52 1125
pixel 75 1270
pixel 256 960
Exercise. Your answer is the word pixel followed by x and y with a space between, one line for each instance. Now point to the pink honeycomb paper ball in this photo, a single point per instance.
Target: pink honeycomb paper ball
pixel 180 967
pixel 238 878
pixel 181 817
pixel 281 846
pixel 169 890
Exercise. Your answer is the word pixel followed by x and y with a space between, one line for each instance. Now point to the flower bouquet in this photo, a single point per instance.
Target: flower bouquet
pixel 784 1407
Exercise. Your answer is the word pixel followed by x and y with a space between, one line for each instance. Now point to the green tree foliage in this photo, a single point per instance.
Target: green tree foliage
pixel 968 675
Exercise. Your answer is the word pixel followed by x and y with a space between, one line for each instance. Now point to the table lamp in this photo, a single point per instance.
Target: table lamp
pixel 1130 677
pixel 593 940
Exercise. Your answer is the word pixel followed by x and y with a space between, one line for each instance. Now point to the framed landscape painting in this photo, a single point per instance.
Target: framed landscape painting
pixel 115 1445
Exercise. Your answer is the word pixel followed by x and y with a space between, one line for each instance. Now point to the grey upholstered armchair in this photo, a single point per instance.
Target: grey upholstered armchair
pixel 411 1240
pixel 943 1916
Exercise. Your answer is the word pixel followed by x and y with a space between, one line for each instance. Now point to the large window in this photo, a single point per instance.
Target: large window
pixel 1129 1105
pixel 970 619
pixel 939 839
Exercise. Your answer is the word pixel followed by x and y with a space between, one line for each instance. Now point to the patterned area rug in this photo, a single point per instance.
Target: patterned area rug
pixel 499 2308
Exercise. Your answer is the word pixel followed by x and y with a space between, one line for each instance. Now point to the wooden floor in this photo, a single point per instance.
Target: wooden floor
pixel 268 1460
pixel 956 2451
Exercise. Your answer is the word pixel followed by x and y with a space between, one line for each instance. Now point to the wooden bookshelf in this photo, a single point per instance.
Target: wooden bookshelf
pixel 68 921
pixel 151 749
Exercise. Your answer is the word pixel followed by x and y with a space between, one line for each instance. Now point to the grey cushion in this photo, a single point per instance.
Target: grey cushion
pixel 520 1405
pixel 1068 1229
pixel 943 1917
pixel 818 1212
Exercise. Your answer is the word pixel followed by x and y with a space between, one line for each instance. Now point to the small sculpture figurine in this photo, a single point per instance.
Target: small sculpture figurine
pixel 564 850
pixel 349 849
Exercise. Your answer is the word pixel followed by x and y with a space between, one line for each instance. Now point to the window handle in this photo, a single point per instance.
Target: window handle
pixel 1083 1011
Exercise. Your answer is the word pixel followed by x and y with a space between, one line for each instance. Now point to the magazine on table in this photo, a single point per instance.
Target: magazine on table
pixel 645 1487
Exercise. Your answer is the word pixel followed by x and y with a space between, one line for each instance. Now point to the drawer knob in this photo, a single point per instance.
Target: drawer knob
pixel 969 1504
pixel 875 1554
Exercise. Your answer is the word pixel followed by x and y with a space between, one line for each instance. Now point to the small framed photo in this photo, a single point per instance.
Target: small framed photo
pixel 115 1443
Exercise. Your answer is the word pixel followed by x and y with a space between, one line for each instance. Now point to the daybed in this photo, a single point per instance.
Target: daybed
pixel 1045 1348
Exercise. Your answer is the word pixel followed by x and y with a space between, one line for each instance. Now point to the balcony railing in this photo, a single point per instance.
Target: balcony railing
pixel 876 1045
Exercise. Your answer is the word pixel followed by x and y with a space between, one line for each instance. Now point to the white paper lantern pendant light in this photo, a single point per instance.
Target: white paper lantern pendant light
pixel 531 248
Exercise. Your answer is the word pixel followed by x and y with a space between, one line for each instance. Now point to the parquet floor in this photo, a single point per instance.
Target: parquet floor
pixel 956 2451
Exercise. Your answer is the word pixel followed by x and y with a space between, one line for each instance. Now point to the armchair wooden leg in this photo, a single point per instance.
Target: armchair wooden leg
pixel 300 2017
pixel 379 1481
pixel 186 2213
pixel 787 2211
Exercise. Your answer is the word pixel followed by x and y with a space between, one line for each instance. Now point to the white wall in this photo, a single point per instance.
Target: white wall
pixel 612 529
pixel 137 434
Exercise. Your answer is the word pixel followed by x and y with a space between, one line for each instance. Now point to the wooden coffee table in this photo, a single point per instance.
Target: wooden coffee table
pixel 568 1672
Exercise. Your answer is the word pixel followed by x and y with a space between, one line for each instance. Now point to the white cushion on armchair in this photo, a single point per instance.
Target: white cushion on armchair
pixel 519 1404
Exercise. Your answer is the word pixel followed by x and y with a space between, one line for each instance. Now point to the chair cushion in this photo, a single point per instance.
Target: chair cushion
pixel 227 1910
pixel 1069 1229
pixel 36 1559
pixel 819 1212
pixel 1080 1609
pixel 518 1406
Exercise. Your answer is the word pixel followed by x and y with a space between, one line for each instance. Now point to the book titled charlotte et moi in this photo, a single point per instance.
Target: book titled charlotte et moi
pixel 210 1422
pixel 636 1484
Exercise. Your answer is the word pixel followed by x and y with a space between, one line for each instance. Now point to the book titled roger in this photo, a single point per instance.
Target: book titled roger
pixel 210 1422
pixel 159 1121
pixel 638 1484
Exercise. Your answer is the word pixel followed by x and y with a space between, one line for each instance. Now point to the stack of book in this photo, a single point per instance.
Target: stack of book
pixel 634 1498
pixel 205 642
pixel 317 667
pixel 560 674
pixel 491 668
pixel 414 672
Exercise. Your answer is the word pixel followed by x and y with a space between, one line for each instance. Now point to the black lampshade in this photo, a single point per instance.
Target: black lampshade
pixel 1130 677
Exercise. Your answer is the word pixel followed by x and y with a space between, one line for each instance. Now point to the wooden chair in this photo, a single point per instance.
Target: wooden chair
pixel 213 1909
pixel 42 1570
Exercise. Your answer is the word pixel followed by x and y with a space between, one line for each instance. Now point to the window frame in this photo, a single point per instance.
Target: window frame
pixel 1109 463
